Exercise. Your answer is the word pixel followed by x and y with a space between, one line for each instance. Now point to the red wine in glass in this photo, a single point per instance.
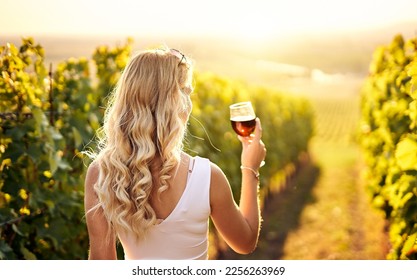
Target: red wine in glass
pixel 242 117
pixel 243 125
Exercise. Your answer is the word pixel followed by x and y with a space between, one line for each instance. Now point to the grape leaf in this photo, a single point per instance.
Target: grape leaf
pixel 406 154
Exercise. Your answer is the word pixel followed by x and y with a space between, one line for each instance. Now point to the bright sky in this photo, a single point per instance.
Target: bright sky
pixel 244 18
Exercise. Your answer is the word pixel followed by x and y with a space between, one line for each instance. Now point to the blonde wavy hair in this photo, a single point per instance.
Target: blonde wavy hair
pixel 141 140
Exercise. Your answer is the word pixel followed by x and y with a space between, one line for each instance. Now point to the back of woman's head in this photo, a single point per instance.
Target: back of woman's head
pixel 150 98
pixel 142 136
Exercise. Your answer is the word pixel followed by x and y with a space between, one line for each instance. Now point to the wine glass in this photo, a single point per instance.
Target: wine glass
pixel 243 119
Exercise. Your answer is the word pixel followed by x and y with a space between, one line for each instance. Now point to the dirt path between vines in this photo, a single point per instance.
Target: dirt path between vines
pixel 325 211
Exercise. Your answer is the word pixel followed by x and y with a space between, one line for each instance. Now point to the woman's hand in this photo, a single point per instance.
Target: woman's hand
pixel 253 149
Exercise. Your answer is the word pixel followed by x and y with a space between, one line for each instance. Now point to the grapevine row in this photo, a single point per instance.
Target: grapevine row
pixel 47 118
pixel 389 140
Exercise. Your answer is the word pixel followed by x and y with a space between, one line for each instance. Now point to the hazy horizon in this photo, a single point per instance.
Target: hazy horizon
pixel 351 51
pixel 331 35
pixel 261 41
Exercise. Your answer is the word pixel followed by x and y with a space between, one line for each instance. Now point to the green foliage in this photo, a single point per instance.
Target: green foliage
pixel 48 117
pixel 389 139
pixel 39 191
pixel 286 123
pixel 46 120
pixel 109 65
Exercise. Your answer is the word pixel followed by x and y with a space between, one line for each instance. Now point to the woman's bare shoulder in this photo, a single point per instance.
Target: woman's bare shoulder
pixel 92 174
pixel 219 185
pixel 217 174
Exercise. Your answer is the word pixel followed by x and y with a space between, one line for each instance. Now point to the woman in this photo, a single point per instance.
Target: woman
pixel 143 190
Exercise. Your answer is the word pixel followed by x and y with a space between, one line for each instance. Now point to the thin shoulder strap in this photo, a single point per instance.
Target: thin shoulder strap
pixel 190 167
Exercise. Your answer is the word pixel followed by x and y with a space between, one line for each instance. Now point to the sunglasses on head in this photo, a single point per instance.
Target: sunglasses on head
pixel 179 55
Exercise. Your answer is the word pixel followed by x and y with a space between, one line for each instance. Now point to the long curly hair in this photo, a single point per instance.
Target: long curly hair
pixel 141 140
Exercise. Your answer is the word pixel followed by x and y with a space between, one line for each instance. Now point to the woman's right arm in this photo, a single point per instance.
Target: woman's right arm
pixel 101 247
pixel 239 225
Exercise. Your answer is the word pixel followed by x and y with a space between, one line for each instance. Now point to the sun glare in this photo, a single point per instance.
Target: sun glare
pixel 248 19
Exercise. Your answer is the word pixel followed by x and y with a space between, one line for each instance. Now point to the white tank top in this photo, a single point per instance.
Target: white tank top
pixel 184 233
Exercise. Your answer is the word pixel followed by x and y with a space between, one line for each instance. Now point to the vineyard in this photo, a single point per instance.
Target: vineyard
pixel 324 211
pixel 389 140
pixel 340 180
pixel 50 116
pixel 357 198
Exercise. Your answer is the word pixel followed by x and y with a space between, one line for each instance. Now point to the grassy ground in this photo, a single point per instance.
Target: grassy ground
pixel 325 211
